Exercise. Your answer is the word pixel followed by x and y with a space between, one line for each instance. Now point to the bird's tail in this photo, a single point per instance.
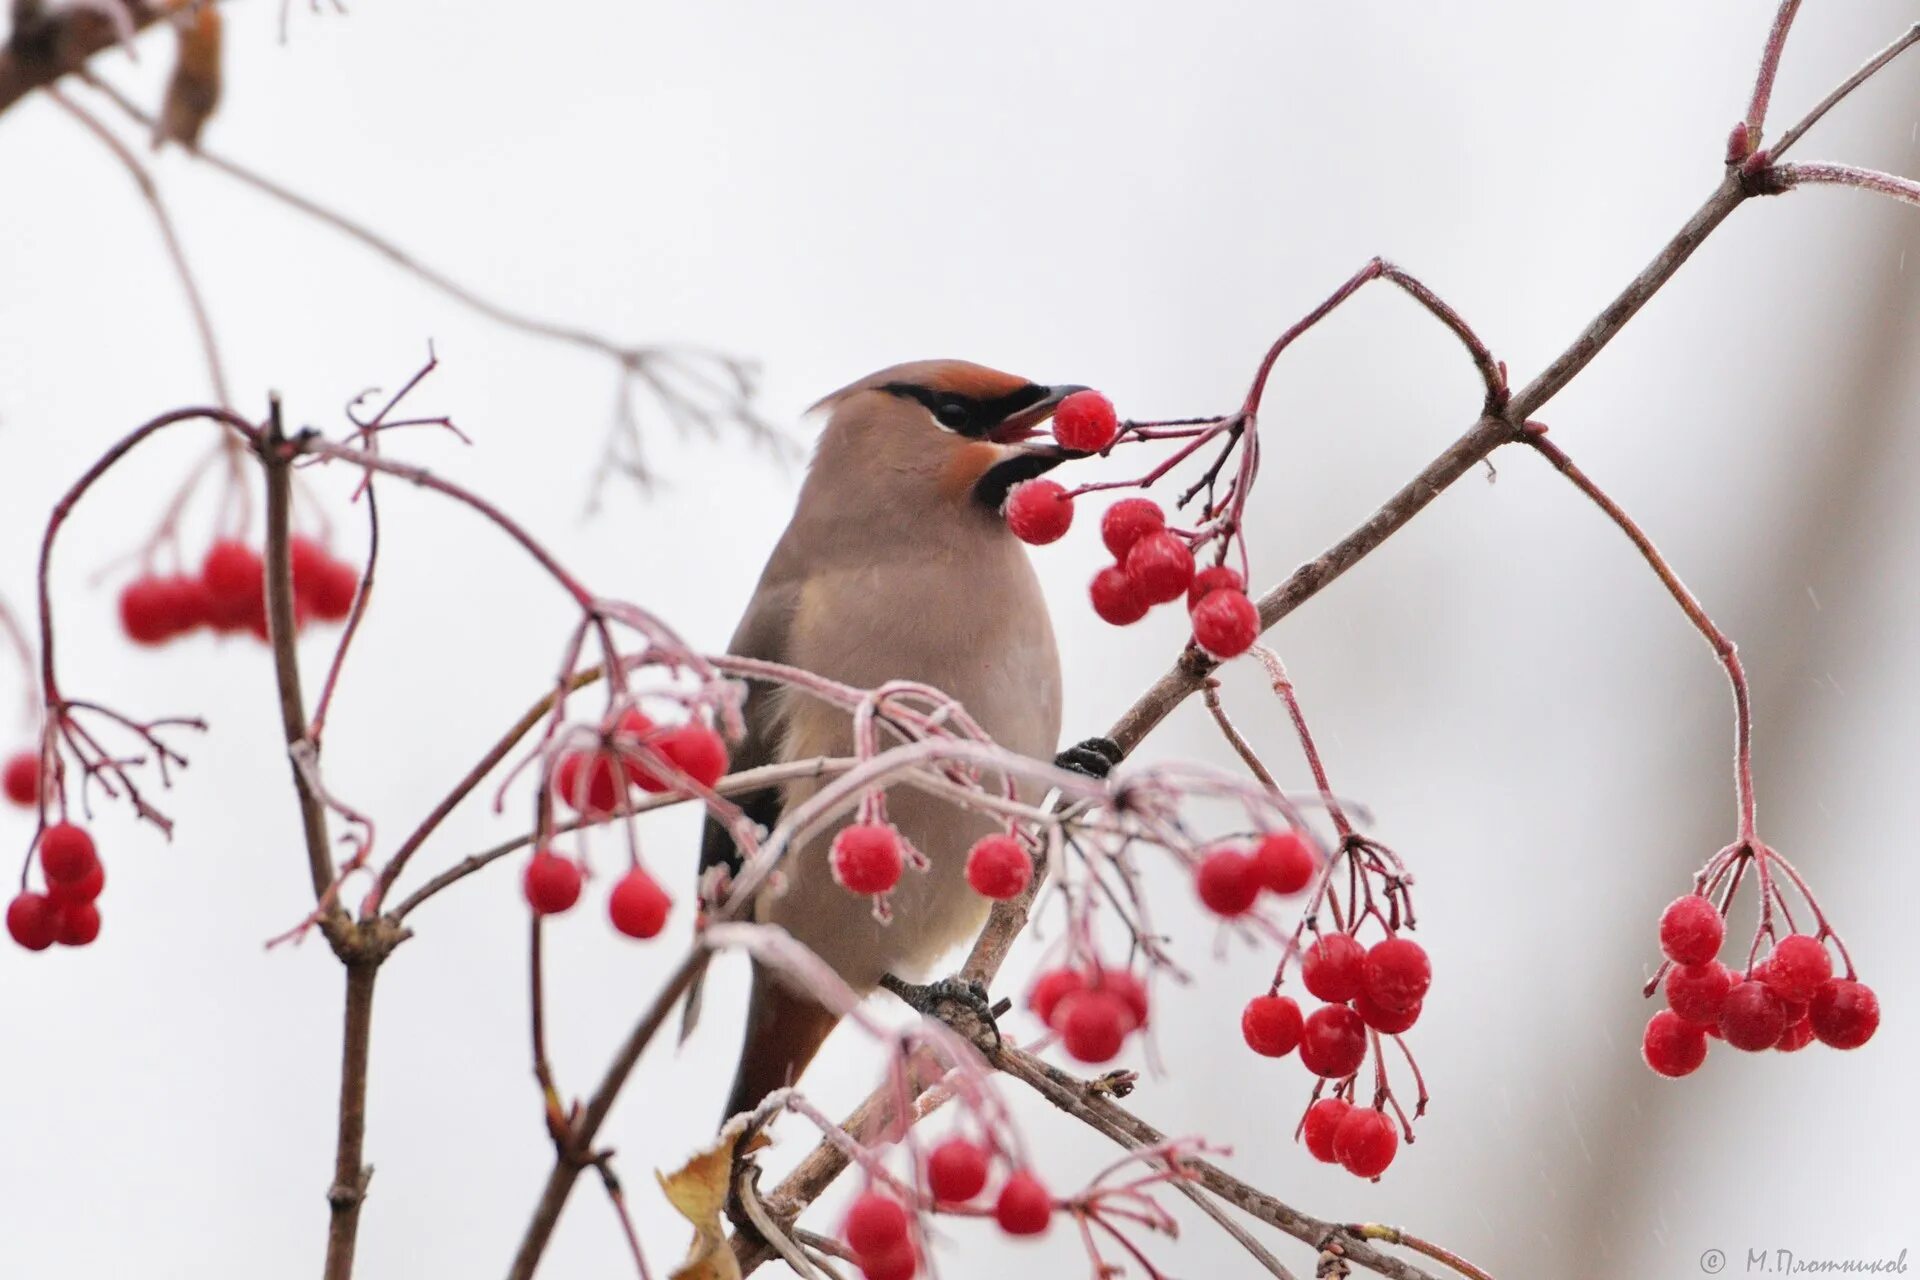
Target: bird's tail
pixel 784 1031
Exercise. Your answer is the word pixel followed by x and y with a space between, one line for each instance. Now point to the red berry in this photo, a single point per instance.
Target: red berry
pixel 1333 1042
pixel 1797 1036
pixel 696 751
pixel 1798 967
pixel 75 924
pixel 1114 598
pixel 1845 1013
pixel 1085 422
pixel 1697 992
pixel 1322 1123
pixel 631 731
pixel 1228 882
pixel 1050 988
pixel 1131 991
pixel 146 613
pixel 66 853
pixel 1387 1021
pixel 957 1171
pixel 1366 1142
pixel 30 919
pixel 1691 930
pixel 1226 624
pixel 867 858
pixel 900 1263
pixel 1271 1025
pixel 1127 521
pixel 85 889
pixel 309 560
pixel 1334 967
pixel 1672 1046
pixel 1039 512
pixel 334 586
pixel 589 783
pixel 1093 1024
pixel 1398 974
pixel 1024 1207
pixel 876 1224
pixel 998 867
pixel 22 779
pixel 551 883
pixel 638 905
pixel 1208 581
pixel 1160 567
pixel 1285 861
pixel 233 574
pixel 1753 1017
pixel 189 604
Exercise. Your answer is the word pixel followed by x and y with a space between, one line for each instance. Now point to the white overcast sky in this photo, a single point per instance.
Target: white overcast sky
pixel 1133 196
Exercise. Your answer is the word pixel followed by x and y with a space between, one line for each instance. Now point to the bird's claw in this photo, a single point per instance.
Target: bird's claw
pixel 1094 757
pixel 927 999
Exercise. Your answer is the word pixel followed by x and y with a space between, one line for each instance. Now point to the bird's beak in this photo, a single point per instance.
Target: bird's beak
pixel 1025 424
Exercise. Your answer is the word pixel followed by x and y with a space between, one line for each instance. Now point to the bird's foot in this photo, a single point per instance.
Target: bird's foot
pixel 944 998
pixel 1095 757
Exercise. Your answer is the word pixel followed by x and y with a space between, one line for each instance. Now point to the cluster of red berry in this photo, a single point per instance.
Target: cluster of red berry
pixel 1231 879
pixel 1361 1140
pixel 1093 1009
pixel 66 913
pixel 1153 565
pixel 229 593
pixel 879 1231
pixel 1786 1001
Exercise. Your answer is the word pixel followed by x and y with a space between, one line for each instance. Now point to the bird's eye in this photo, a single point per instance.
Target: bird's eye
pixel 951 414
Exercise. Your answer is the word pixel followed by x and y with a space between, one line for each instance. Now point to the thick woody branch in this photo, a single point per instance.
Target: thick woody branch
pixel 46 44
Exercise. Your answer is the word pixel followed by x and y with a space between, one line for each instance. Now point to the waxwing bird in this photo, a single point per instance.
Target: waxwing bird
pixel 897 565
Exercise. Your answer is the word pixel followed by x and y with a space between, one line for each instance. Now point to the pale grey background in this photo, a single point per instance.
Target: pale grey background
pixel 1134 196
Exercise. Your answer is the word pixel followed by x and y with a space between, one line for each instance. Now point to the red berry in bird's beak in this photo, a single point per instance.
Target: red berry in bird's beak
pixel 1085 422
pixel 1039 512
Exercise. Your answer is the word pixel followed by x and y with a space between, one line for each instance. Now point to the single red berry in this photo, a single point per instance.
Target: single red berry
pixel 1845 1013
pixel 66 852
pixel 998 867
pixel 75 924
pixel 551 883
pixel 876 1224
pixel 638 906
pixel 232 570
pixel 1160 567
pixel 1093 1024
pixel 30 920
pixel 1386 1021
pixel 1753 1017
pixel 867 858
pixel 85 889
pixel 189 604
pixel 1322 1123
pixel 1366 1142
pixel 1271 1025
pixel 1226 624
pixel 1127 521
pixel 899 1263
pixel 1334 967
pixel 1216 578
pixel 1333 1042
pixel 1691 930
pixel 146 613
pixel 1398 973
pixel 1024 1207
pixel 1285 861
pixel 1797 1036
pixel 1085 422
pixel 1672 1046
pixel 308 559
pixel 696 751
pixel 1039 512
pixel 1114 598
pixel 1798 967
pixel 21 779
pixel 589 783
pixel 957 1171
pixel 1050 988
pixel 1697 992
pixel 1131 991
pixel 632 730
pixel 335 585
pixel 1228 882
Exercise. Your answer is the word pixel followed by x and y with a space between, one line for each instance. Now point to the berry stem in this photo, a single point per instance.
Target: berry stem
pixel 1756 118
